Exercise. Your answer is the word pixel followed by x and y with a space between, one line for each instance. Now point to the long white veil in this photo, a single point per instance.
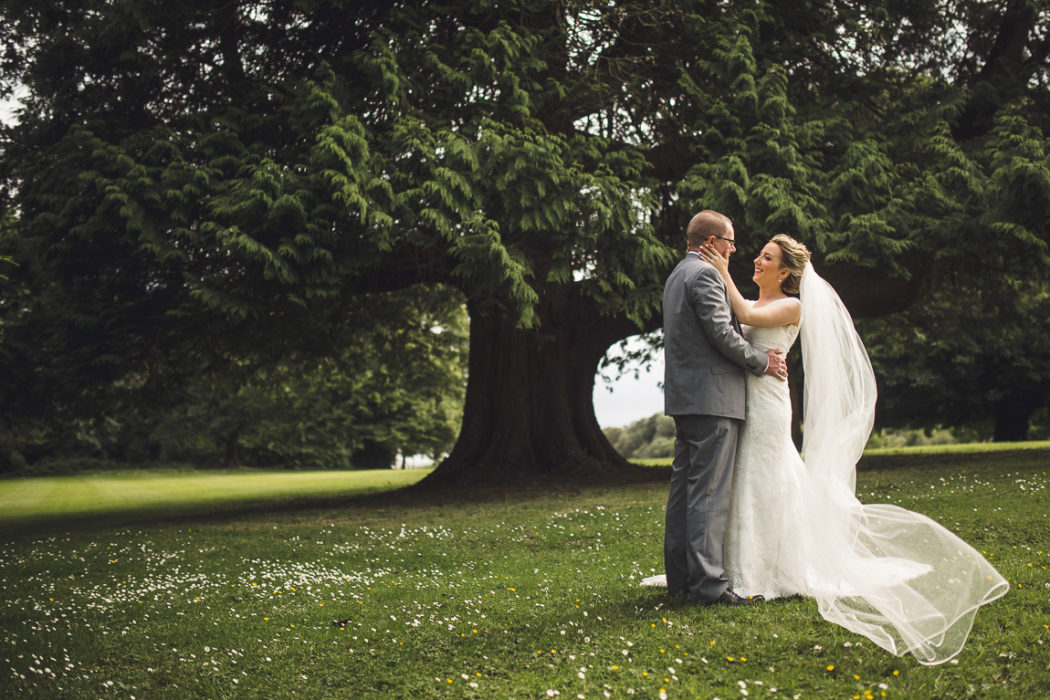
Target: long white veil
pixel 892 575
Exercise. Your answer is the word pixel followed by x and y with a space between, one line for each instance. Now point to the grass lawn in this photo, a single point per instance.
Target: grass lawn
pixel 513 595
pixel 132 496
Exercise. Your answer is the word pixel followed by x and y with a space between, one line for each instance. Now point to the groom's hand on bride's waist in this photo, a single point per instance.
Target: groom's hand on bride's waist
pixel 777 366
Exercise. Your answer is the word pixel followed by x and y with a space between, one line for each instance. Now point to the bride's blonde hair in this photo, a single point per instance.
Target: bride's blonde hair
pixel 793 258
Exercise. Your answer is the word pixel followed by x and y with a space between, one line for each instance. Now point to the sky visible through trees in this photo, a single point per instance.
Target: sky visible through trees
pixel 634 394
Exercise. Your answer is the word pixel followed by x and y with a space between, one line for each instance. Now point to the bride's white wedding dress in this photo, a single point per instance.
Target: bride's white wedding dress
pixel 797 527
pixel 762 552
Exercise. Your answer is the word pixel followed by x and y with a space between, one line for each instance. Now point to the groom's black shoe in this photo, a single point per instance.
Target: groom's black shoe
pixel 731 598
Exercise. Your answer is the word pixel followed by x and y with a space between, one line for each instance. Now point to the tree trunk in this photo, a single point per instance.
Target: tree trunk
pixel 1012 417
pixel 1005 71
pixel 232 458
pixel 529 412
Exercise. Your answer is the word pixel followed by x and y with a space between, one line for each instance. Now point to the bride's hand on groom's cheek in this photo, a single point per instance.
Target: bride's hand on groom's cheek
pixel 713 256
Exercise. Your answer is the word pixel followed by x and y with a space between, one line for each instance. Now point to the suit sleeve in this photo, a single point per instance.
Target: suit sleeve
pixel 710 302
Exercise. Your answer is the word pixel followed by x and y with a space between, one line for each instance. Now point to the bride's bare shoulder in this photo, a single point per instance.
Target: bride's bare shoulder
pixel 785 300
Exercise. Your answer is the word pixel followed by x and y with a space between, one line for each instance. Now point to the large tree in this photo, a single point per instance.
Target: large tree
pixel 973 350
pixel 183 165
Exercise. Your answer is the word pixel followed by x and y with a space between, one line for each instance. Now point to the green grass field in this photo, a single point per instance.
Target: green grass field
pixel 115 497
pixel 511 595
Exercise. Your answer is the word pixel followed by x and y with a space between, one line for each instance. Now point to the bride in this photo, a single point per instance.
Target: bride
pixel 796 526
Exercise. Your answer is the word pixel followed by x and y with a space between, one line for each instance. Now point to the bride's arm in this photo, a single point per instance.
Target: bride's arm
pixel 780 313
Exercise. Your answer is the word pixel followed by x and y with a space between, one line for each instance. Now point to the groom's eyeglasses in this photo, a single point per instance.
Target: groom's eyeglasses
pixel 730 241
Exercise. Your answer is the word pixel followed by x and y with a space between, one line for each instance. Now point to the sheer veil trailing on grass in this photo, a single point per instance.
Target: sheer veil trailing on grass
pixel 892 575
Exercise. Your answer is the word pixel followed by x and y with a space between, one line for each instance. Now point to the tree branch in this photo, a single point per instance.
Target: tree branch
pixel 1004 73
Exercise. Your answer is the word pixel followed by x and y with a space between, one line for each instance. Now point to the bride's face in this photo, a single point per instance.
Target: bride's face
pixel 767 265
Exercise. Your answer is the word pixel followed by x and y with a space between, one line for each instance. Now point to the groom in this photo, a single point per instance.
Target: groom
pixel 704 388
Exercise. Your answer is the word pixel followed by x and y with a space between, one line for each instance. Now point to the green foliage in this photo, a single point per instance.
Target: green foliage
pixel 973 351
pixel 966 357
pixel 246 207
pixel 936 437
pixel 7 225
pixel 384 388
pixel 205 185
pixel 647 438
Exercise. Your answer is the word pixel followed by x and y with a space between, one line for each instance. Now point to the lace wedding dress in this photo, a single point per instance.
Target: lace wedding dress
pixel 797 527
pixel 762 551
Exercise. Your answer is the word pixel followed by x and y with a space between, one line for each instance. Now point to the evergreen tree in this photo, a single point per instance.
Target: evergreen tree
pixel 236 171
pixel 973 351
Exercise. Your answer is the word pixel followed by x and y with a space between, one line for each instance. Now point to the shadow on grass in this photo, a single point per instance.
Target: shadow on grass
pixel 431 494
pixel 421 495
pixel 167 514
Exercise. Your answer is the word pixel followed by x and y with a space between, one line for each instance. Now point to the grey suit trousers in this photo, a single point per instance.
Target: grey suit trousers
pixel 698 505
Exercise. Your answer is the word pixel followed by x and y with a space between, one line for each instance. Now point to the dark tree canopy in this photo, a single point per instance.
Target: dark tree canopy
pixel 237 171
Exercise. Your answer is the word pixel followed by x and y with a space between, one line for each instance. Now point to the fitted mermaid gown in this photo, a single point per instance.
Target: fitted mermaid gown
pixel 762 547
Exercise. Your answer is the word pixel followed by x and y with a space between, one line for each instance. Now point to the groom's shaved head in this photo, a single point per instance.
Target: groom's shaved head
pixel 704 225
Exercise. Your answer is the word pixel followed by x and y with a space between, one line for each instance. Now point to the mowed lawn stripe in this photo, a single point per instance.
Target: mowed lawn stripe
pixel 135 494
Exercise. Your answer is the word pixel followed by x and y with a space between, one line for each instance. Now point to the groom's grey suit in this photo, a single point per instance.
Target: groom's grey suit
pixel 704 389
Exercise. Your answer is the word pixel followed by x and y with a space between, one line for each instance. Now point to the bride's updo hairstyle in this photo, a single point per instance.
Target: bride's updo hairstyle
pixel 793 258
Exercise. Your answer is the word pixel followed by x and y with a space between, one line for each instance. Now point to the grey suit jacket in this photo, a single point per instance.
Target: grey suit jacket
pixel 704 354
